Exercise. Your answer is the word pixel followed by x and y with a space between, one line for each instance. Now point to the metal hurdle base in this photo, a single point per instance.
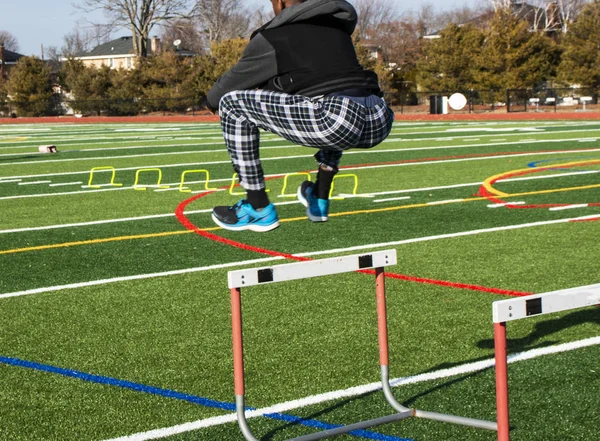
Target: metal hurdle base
pixel 314 268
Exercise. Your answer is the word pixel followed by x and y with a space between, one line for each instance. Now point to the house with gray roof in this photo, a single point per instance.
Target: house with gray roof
pixel 8 59
pixel 119 53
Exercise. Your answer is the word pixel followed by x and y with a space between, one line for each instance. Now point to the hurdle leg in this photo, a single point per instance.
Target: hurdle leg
pixel 406 412
pixel 238 362
pixel 501 381
pixel 383 345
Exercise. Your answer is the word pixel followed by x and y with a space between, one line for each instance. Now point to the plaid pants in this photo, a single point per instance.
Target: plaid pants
pixel 331 124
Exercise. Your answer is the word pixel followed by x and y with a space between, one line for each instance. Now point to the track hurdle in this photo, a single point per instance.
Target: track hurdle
pixel 285 183
pixel 144 187
pixel 350 175
pixel 107 168
pixel 184 189
pixel 514 309
pixel 323 267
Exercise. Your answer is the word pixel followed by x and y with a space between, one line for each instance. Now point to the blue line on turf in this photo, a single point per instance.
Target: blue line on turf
pixel 536 164
pixel 100 379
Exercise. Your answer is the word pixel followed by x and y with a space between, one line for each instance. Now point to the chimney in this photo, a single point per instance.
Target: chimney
pixel 155 45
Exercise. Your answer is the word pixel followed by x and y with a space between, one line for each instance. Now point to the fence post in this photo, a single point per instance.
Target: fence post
pixel 470 100
pixel 507 101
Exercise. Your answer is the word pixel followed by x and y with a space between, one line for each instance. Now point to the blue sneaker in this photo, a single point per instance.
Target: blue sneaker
pixel 242 216
pixel 317 209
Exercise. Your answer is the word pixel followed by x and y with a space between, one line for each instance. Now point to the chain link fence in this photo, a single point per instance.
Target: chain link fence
pixel 403 102
pixel 498 101
pixel 60 106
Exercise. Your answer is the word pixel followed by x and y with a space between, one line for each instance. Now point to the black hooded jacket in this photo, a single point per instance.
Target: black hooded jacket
pixel 306 50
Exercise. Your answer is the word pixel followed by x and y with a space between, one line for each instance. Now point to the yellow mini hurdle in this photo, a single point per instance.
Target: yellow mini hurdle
pixel 182 187
pixel 285 183
pixel 137 178
pixel 106 168
pixel 349 175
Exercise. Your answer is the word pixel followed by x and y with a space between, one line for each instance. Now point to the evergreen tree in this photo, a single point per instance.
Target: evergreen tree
pixel 30 87
pixel 513 57
pixel 449 63
pixel 208 68
pixel 161 77
pixel 87 86
pixel 124 92
pixel 581 58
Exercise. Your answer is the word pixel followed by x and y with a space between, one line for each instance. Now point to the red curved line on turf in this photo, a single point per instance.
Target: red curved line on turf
pixel 183 219
pixel 506 292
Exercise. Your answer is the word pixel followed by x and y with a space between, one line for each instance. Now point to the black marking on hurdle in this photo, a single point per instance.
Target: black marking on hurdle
pixel 533 306
pixel 365 261
pixel 265 275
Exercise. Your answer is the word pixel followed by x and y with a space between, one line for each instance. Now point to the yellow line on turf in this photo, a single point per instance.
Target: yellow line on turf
pixel 292 219
pixel 488 183
pixel 20 138
pixel 97 241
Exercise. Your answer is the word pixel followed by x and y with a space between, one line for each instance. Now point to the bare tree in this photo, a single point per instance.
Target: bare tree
pixel 501 4
pixel 547 15
pixel 138 15
pixel 186 31
pixel 371 15
pixel 77 42
pixel 9 41
pixel 222 19
pixel 567 12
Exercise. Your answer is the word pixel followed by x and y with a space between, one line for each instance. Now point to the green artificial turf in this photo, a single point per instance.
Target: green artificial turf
pixel 172 330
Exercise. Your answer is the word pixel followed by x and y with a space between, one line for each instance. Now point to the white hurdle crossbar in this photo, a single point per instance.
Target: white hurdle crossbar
pixel 514 309
pixel 323 267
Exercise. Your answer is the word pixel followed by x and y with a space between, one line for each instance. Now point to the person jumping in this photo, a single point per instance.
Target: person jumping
pixel 298 77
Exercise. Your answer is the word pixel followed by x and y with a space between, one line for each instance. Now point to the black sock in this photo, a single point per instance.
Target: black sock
pixel 257 198
pixel 323 183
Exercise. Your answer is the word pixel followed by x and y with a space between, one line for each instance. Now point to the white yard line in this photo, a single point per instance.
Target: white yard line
pixel 357 390
pixel 308 254
pixel 34 182
pixel 360 151
pixel 176 185
pixel 447 236
pixel 66 184
pixel 400 198
pixel 136 277
pixel 296 157
pixel 110 221
pixel 505 204
pixel 569 207
pixel 448 201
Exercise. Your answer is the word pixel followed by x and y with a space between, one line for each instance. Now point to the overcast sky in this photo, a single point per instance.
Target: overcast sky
pixel 45 22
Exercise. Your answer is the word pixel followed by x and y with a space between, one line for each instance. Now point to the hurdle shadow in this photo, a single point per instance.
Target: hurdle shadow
pixel 313 416
pixel 542 329
pixel 406 401
pixel 548 327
